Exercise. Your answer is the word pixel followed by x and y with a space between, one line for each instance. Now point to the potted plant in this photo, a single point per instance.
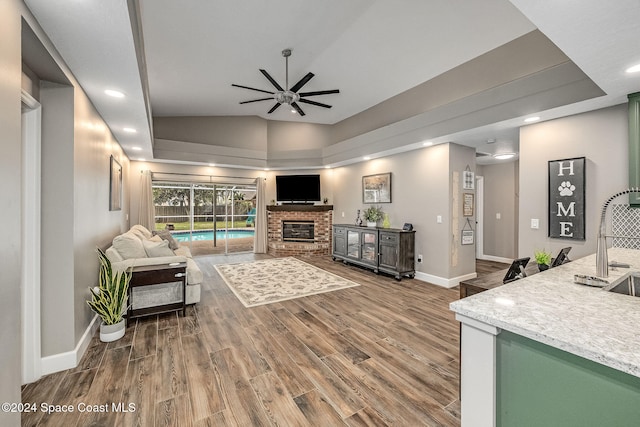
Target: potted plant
pixel 109 299
pixel 543 258
pixel 372 215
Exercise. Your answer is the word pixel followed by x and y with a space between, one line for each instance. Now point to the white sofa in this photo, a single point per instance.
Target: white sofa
pixel 138 247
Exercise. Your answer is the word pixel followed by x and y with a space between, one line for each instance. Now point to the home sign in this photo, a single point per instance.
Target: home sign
pixel 567 198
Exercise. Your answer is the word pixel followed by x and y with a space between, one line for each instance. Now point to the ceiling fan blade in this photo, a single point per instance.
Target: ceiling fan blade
pixel 319 104
pixel 256 100
pixel 298 109
pixel 303 81
pixel 319 92
pixel 274 108
pixel 273 82
pixel 251 88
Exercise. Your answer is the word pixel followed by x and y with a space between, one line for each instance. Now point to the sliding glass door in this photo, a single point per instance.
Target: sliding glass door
pixel 209 218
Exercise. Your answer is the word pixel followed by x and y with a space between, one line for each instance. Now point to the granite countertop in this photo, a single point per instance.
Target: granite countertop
pixel 548 307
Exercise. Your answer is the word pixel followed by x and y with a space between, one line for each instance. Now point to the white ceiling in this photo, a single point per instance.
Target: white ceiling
pixel 370 50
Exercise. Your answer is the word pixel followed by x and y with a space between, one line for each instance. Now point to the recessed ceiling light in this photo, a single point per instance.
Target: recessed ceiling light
pixel 503 156
pixel 491 141
pixel 142 159
pixel 293 111
pixel 327 167
pixel 634 69
pixel 531 119
pixel 136 148
pixel 427 143
pixel 212 164
pixel 129 130
pixel 366 158
pixel 114 93
pixel 266 169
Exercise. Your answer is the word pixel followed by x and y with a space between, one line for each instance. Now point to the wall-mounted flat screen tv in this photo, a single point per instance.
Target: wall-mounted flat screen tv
pixel 298 188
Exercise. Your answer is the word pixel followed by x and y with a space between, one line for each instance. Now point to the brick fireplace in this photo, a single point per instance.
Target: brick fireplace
pixel 318 218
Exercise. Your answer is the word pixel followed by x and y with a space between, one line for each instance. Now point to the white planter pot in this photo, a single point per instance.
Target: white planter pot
pixel 110 333
pixel 371 224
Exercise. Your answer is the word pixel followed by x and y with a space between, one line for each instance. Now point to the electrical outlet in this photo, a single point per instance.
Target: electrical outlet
pixel 420 258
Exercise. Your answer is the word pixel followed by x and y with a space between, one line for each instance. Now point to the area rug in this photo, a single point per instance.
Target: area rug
pixel 279 279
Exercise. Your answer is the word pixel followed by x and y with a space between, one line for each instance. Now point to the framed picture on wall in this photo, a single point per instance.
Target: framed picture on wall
pixel 115 185
pixel 567 198
pixel 376 188
pixel 467 237
pixel 467 204
pixel 468 180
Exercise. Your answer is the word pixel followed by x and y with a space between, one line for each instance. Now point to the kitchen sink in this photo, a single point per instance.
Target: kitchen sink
pixel 627 285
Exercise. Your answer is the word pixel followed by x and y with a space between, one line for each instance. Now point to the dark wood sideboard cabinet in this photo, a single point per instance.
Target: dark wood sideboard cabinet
pixel 387 250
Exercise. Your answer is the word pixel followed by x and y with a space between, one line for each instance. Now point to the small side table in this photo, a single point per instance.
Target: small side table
pixel 153 275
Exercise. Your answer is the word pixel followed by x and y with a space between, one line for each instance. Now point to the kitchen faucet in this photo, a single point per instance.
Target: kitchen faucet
pixel 602 259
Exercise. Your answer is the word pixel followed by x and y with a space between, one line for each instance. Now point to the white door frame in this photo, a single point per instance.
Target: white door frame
pixel 31 237
pixel 479 217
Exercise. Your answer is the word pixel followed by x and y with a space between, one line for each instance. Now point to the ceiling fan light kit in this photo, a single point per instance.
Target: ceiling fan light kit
pixel 288 96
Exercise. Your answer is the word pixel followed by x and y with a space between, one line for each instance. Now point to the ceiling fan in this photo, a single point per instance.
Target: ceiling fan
pixel 289 96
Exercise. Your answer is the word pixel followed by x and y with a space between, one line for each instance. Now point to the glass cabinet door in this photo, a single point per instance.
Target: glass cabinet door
pixel 369 246
pixel 353 244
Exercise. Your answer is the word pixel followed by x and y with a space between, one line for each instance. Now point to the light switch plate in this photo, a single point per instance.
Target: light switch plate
pixel 535 223
pixel 498 216
pixel 439 219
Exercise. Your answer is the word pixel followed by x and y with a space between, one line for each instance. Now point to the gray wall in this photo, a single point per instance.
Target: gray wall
pixel 500 196
pixel 602 137
pixel 94 224
pixel 421 190
pixel 10 215
pixel 229 131
pixel 57 265
pixel 462 257
pixel 76 148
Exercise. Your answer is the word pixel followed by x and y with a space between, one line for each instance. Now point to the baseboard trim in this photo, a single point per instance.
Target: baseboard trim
pixel 70 359
pixel 442 281
pixel 496 259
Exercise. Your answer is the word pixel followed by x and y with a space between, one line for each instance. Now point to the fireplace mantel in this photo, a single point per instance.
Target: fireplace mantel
pixel 300 208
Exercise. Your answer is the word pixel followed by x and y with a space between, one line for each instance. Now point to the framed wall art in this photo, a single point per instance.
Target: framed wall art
pixel 468 179
pixel 567 198
pixel 376 188
pixel 467 204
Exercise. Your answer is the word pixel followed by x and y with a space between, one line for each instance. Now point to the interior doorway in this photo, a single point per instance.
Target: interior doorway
pixel 208 218
pixel 31 238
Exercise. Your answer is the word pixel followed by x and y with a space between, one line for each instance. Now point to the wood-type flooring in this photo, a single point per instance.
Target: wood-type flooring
pixel 383 353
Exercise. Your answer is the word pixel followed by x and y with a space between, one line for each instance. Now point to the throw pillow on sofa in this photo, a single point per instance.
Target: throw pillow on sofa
pixel 129 246
pixel 157 249
pixel 165 235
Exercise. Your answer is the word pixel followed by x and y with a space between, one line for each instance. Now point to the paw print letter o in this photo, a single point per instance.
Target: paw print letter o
pixel 566 188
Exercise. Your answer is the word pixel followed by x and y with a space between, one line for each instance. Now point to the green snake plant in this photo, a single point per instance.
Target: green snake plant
pixel 109 298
